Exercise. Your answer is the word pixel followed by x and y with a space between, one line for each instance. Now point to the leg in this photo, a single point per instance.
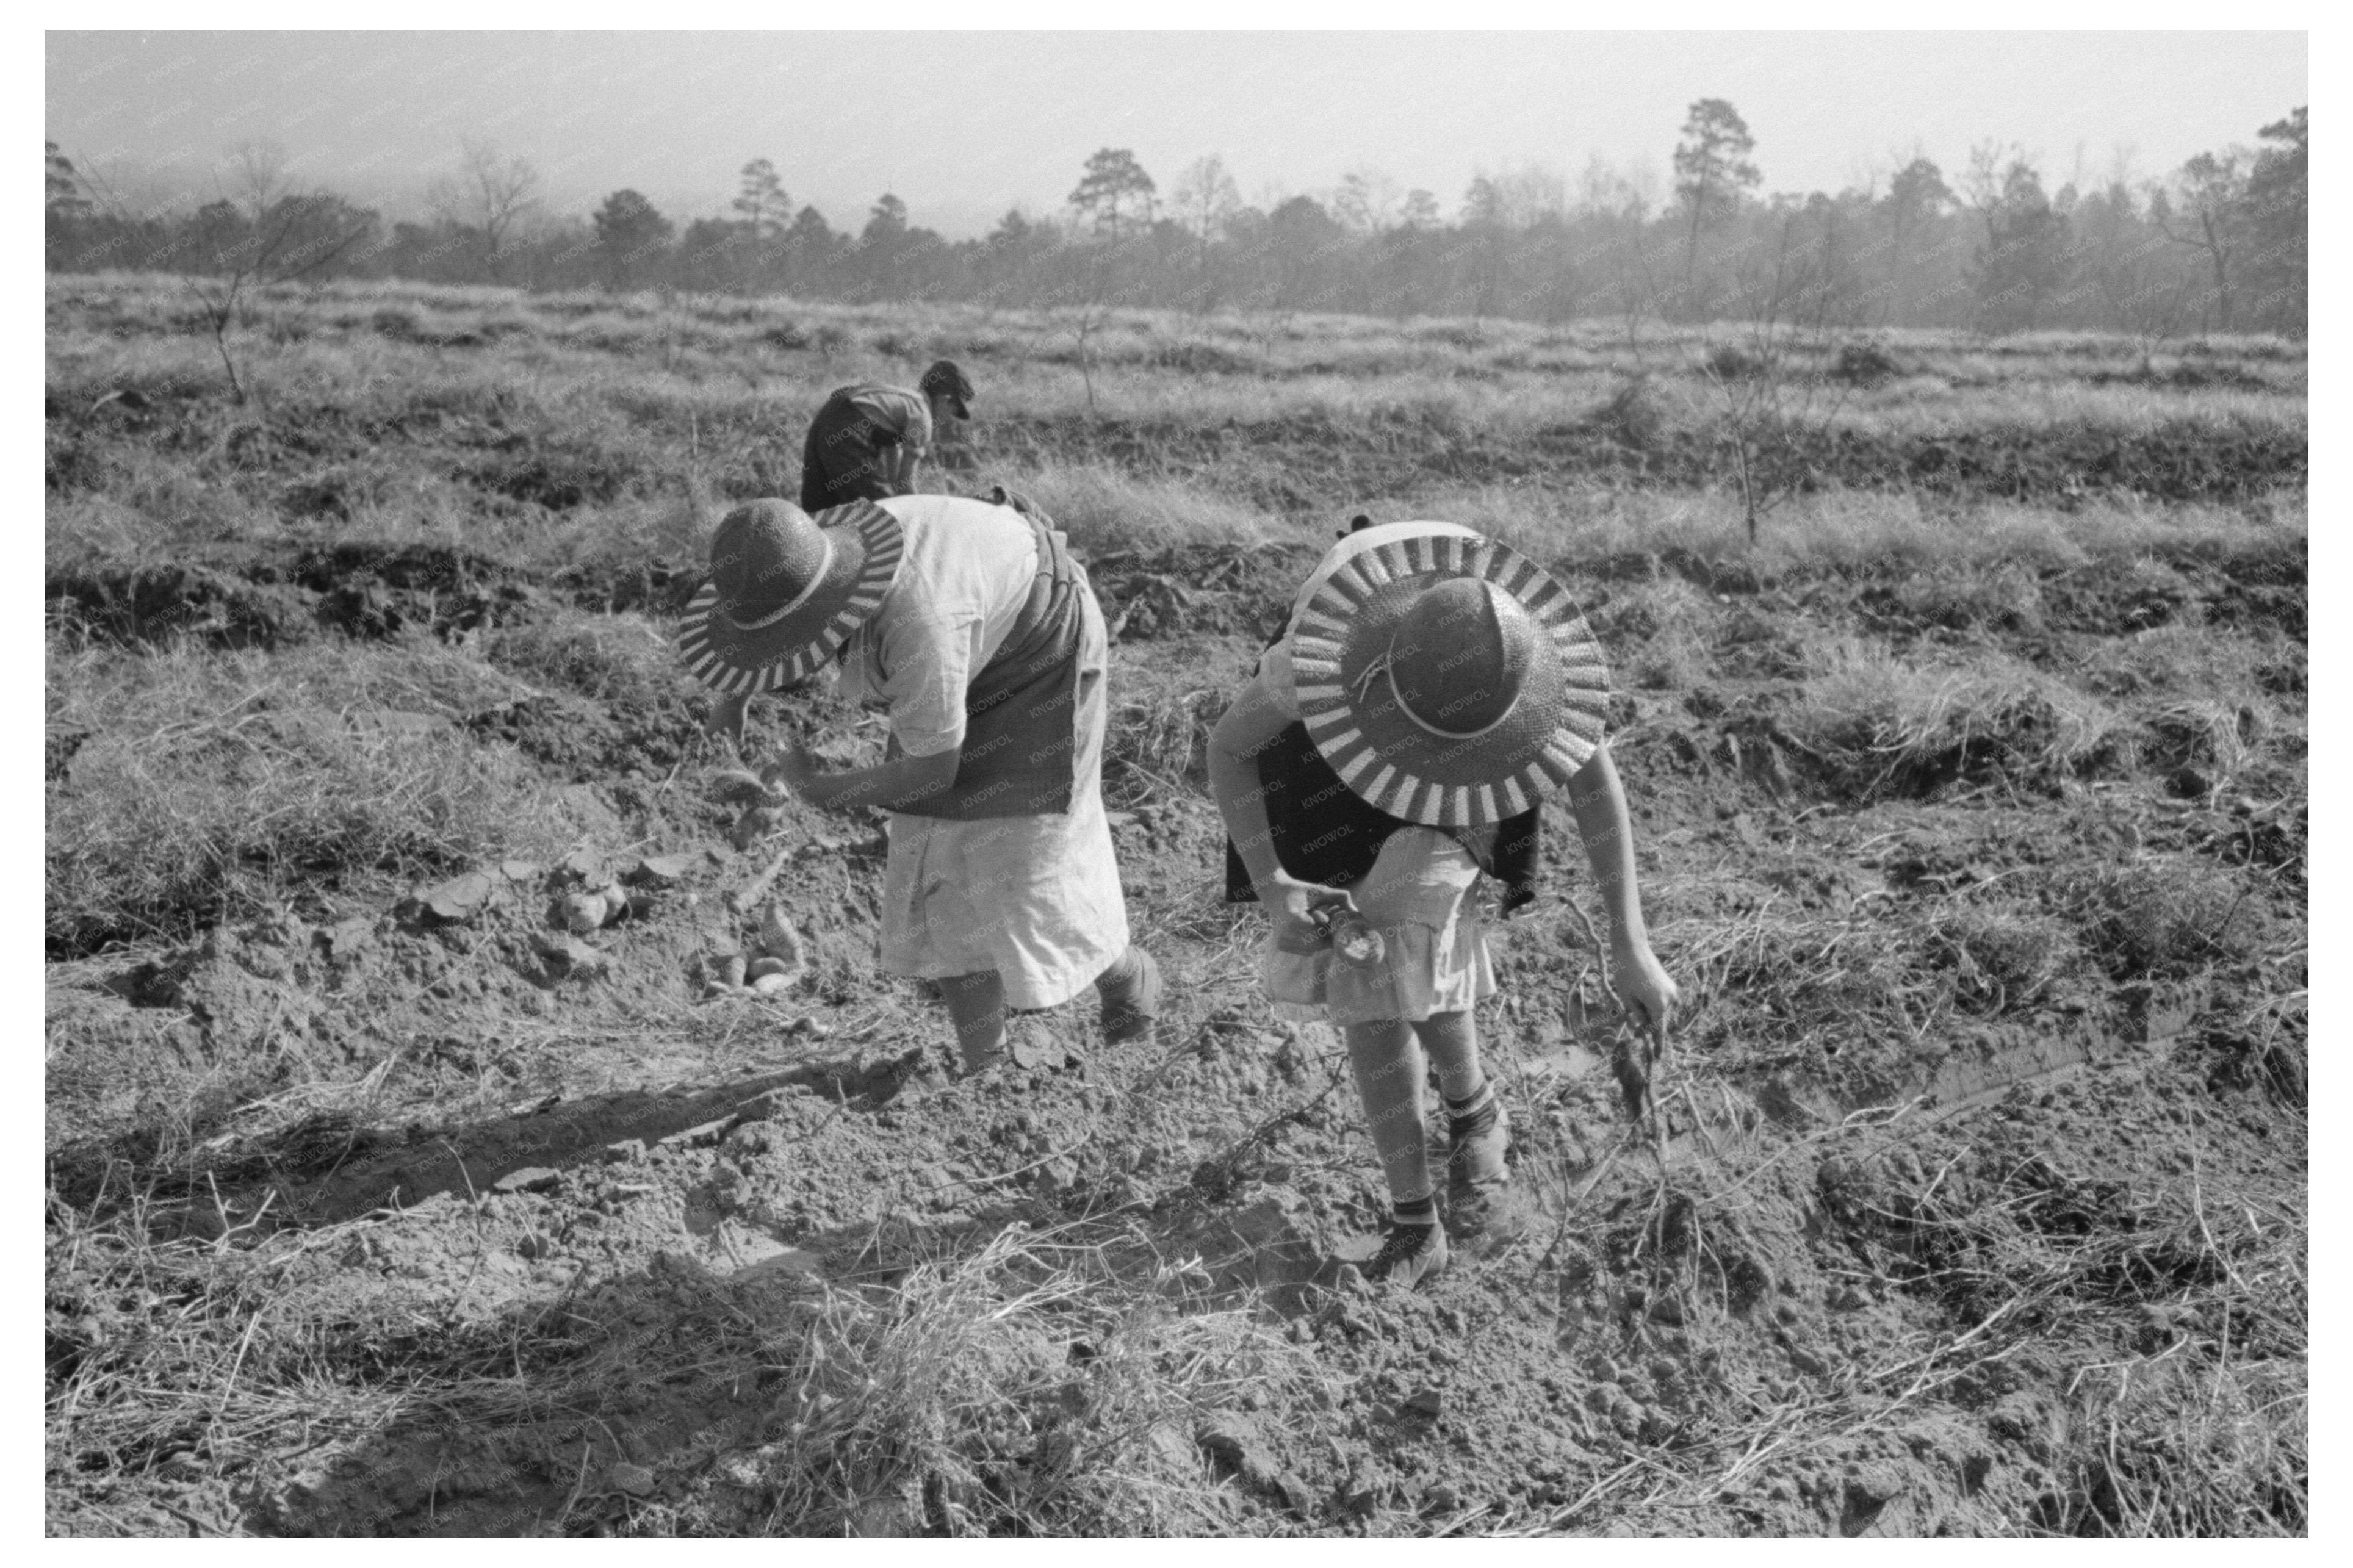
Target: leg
pixel 1130 989
pixel 1388 1081
pixel 1477 1132
pixel 976 1006
pixel 1452 1041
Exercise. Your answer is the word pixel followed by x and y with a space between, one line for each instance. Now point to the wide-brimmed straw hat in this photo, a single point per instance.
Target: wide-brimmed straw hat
pixel 785 589
pixel 1448 680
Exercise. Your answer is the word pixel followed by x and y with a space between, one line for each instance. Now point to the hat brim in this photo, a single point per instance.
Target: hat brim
pixel 740 660
pixel 1339 652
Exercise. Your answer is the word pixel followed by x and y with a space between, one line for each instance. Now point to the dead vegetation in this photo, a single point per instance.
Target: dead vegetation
pixel 1971 1197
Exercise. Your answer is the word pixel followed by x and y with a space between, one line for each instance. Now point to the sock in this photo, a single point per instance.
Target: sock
pixel 1474 1112
pixel 1422 1210
pixel 1121 985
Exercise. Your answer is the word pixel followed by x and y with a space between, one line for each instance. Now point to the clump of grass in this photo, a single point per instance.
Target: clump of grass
pixel 1156 744
pixel 2002 959
pixel 1864 365
pixel 2004 595
pixel 602 658
pixel 2151 921
pixel 1104 510
pixel 213 786
pixel 1898 722
pixel 2191 1448
pixel 1633 415
pixel 1026 1388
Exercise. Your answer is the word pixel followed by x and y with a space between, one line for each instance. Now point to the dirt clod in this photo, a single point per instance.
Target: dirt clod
pixel 460 898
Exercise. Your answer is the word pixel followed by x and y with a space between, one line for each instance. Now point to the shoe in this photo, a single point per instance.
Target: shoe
pixel 1411 1254
pixel 1129 1019
pixel 1476 1144
pixel 973 1063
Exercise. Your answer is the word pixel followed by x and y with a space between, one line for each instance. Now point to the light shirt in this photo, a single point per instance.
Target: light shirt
pixel 907 413
pixel 965 575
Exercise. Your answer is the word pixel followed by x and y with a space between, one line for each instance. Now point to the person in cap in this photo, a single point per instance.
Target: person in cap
pixel 1429 690
pixel 868 440
pixel 972 626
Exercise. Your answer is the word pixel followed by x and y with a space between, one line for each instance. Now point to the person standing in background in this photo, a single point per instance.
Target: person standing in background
pixel 868 440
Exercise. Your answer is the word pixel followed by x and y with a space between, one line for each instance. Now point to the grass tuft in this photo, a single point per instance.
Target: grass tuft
pixel 204 785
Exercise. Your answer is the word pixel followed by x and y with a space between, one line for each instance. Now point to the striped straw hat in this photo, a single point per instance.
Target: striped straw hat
pixel 1448 680
pixel 786 590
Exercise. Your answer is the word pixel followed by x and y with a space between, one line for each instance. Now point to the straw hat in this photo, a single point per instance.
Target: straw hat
pixel 1448 680
pixel 785 589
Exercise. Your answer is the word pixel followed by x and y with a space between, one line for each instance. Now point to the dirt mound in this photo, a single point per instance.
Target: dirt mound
pixel 273 597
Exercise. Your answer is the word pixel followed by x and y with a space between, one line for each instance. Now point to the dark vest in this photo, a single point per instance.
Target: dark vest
pixel 1019 756
pixel 1323 831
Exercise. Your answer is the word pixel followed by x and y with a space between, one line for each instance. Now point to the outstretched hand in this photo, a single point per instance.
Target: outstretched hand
pixel 1644 988
pixel 791 768
pixel 1649 996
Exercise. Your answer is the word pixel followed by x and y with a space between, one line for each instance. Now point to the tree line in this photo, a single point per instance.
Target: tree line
pixel 2217 245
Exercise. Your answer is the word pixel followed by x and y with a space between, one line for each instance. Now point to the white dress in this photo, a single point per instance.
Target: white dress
pixel 1036 898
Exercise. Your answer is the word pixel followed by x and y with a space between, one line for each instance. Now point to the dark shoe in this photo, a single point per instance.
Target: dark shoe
pixel 1411 1253
pixel 974 1063
pixel 1476 1144
pixel 1130 1017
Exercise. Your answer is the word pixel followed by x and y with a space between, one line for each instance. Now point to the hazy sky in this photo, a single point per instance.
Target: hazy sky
pixel 963 126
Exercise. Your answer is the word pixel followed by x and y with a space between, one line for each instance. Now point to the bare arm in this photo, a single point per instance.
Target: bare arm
pixel 1250 726
pixel 895 785
pixel 1598 801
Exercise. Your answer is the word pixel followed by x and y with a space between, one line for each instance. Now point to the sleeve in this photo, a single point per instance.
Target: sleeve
pixel 899 413
pixel 930 660
pixel 1275 674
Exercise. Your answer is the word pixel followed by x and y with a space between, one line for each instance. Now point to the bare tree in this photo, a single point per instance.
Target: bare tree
pixel 1366 199
pixel 260 230
pixel 1768 397
pixel 1204 200
pixel 489 195
pixel 2213 193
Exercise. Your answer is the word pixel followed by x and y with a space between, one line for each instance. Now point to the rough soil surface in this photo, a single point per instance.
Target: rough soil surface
pixel 1856 1299
pixel 1300 462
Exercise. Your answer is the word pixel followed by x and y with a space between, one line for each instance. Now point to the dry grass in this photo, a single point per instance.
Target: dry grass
pixel 1024 1385
pixel 1027 1388
pixel 1903 720
pixel 2166 919
pixel 1873 529
pixel 1491 376
pixel 1104 510
pixel 207 785
pixel 2142 1338
pixel 2180 1301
